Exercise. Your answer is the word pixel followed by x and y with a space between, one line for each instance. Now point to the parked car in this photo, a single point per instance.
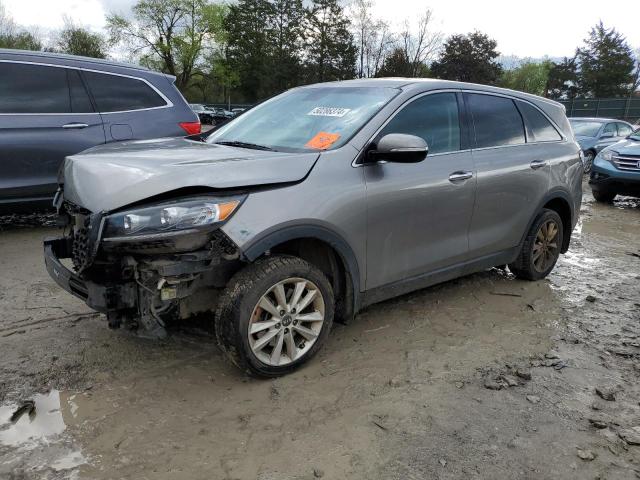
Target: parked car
pixel 314 204
pixel 616 170
pixel 220 114
pixel 55 105
pixel 205 115
pixel 237 111
pixel 594 134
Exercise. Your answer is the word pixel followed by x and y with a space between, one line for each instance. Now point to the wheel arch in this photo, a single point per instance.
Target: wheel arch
pixel 559 201
pixel 325 249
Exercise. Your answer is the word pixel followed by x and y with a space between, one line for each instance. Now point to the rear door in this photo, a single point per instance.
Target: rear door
pixel 45 115
pixel 131 108
pixel 418 214
pixel 513 175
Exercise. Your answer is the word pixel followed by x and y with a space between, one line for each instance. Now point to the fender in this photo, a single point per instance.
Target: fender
pixel 557 192
pixel 294 232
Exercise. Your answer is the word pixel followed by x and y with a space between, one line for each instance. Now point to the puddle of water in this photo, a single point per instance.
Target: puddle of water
pixel 36 441
pixel 30 429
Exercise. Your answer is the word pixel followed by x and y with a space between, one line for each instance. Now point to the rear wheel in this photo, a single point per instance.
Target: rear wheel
pixel 603 196
pixel 541 248
pixel 274 315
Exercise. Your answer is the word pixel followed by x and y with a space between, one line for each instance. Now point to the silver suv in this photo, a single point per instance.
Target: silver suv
pixel 314 204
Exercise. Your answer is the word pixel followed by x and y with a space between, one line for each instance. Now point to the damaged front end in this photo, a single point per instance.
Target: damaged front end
pixel 146 266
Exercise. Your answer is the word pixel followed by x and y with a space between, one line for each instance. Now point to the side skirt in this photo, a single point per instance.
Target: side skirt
pixel 419 282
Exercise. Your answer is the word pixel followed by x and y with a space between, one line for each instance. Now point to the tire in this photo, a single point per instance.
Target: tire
pixel 241 305
pixel 603 196
pixel 529 265
pixel 589 157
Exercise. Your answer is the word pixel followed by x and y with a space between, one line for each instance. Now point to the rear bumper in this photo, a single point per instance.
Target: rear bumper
pixel 102 298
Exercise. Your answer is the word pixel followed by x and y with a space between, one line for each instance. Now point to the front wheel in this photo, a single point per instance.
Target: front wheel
pixel 274 315
pixel 588 161
pixel 541 247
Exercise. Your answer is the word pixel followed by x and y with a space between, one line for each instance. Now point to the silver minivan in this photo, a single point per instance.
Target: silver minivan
pixel 314 204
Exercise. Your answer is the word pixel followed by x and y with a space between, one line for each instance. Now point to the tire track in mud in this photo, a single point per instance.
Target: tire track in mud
pixel 20 326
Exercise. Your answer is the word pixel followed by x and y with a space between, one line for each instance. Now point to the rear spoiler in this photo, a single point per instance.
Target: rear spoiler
pixel 171 78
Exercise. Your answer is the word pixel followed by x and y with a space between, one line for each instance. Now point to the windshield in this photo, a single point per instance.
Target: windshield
pixel 586 129
pixel 306 119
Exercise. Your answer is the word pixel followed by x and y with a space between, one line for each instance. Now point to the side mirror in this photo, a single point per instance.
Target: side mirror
pixel 607 135
pixel 400 148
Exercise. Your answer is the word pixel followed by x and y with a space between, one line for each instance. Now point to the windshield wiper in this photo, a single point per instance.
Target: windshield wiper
pixel 252 146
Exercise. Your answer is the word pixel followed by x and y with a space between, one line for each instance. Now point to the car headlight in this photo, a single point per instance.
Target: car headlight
pixel 607 154
pixel 196 213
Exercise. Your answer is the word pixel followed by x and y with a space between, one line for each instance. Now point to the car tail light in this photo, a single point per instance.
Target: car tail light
pixel 192 128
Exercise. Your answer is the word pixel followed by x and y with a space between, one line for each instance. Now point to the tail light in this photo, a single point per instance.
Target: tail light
pixel 192 128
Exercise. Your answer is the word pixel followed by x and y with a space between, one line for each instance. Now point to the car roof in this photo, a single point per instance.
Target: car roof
pixel 595 119
pixel 76 58
pixel 426 84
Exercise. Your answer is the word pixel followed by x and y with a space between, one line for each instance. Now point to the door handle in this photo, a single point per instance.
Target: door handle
pixel 460 176
pixel 536 164
pixel 75 125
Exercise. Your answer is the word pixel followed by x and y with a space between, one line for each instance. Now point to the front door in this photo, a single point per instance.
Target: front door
pixel 418 214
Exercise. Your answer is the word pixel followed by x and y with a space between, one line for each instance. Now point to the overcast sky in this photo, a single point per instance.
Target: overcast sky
pixel 551 27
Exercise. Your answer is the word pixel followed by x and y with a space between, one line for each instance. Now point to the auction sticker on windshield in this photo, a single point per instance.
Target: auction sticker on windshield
pixel 323 140
pixel 329 112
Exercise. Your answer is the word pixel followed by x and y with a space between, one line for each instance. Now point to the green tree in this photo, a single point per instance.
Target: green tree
pixel 331 53
pixel 606 64
pixel 171 35
pixel 563 80
pixel 76 40
pixel 287 28
pixel 469 58
pixel 530 77
pixel 12 36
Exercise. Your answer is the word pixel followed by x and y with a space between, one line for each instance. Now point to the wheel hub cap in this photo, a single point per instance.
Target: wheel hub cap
pixel 286 321
pixel 545 247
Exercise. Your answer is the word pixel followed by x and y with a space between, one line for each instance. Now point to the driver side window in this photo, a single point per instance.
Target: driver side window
pixel 611 128
pixel 432 117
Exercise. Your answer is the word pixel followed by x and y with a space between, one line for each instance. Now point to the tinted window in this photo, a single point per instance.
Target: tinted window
pixel 80 102
pixel 539 129
pixel 624 130
pixel 497 121
pixel 113 93
pixel 610 128
pixel 28 88
pixel 433 118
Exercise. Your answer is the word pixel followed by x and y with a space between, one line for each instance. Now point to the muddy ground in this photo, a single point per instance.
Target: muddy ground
pixel 483 377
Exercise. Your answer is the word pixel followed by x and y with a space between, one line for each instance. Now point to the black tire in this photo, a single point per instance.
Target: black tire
pixel 240 298
pixel 524 266
pixel 603 196
pixel 589 157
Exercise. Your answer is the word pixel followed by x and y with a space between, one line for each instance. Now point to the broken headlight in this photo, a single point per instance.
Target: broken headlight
pixel 170 217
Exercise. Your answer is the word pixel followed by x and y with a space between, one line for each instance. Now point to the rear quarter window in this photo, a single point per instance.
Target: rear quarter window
pixel 113 93
pixel 539 129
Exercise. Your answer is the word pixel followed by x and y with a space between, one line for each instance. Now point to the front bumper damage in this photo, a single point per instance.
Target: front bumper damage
pixel 141 285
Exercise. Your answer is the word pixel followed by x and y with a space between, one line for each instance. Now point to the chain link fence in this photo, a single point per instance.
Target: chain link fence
pixel 619 108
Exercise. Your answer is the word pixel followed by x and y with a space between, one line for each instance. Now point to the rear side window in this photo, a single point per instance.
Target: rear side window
pixel 539 129
pixel 26 88
pixel 497 121
pixel 624 130
pixel 432 117
pixel 113 93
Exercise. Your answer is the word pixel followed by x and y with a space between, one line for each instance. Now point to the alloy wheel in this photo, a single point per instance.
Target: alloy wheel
pixel 286 321
pixel 545 247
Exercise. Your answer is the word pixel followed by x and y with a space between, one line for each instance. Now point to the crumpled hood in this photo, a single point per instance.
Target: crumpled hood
pixel 111 176
pixel 626 147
